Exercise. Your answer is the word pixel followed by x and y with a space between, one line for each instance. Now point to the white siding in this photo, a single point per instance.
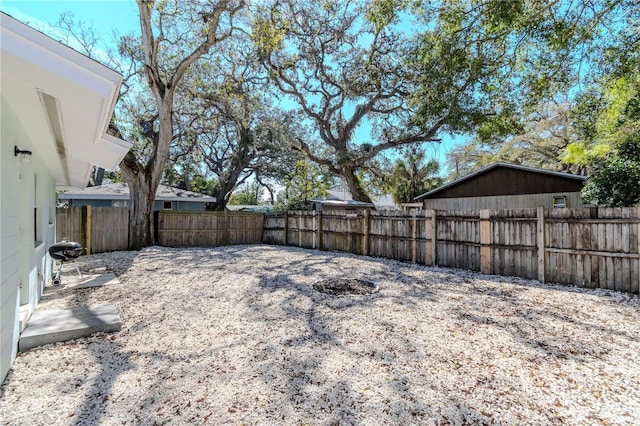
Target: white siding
pixel 23 261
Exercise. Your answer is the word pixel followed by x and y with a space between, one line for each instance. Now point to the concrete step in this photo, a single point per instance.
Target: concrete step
pixel 61 325
pixel 85 281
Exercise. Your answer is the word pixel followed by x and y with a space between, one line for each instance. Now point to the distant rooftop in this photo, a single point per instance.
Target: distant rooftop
pixel 120 191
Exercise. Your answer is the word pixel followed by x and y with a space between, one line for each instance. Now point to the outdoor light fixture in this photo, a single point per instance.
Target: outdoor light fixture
pixel 24 155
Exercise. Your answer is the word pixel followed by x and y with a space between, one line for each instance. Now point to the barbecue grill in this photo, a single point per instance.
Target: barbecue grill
pixel 65 251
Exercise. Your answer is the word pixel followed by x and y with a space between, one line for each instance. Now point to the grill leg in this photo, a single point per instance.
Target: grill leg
pixel 55 278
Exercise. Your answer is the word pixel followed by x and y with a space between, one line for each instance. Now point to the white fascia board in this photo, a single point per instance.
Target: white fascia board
pixel 77 196
pixel 75 80
pixel 64 196
pixel 186 199
pixel 110 151
pixel 40 49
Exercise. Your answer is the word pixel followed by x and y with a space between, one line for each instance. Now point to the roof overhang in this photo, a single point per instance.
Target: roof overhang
pixel 63 100
pixel 120 191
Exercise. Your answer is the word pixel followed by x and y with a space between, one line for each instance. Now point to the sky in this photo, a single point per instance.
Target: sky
pixel 122 15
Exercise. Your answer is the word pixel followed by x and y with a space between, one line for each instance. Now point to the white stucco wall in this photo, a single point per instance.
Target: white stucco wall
pixel 24 264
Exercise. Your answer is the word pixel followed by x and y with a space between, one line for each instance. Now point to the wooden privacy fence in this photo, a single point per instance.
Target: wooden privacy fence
pixel 99 229
pixel 102 229
pixel 592 248
pixel 209 229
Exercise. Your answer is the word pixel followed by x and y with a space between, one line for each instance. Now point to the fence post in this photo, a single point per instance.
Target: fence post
pixel 414 234
pixel 638 216
pixel 87 224
pixel 315 230
pixel 320 230
pixel 286 226
pixel 433 261
pixel 300 229
pixel 485 241
pixel 541 244
pixel 365 241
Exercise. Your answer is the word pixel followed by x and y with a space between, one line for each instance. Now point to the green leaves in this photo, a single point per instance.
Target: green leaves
pixel 267 35
pixel 382 13
pixel 305 183
pixel 617 183
pixel 412 175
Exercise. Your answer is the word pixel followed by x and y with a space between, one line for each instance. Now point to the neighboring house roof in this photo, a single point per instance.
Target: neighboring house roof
pixel 120 191
pixel 385 201
pixel 344 203
pixel 574 181
pixel 62 99
pixel 249 208
pixel 337 194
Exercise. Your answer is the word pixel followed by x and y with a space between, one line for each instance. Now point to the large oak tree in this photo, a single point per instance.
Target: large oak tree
pixel 174 36
pixel 344 73
pixel 474 68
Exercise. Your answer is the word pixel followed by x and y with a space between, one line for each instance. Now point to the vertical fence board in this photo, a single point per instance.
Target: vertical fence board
pixel 212 229
pixel 109 229
pixel 570 246
pixel 69 224
pixel 593 248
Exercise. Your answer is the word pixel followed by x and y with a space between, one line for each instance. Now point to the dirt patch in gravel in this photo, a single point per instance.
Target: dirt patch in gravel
pixel 238 335
pixel 346 286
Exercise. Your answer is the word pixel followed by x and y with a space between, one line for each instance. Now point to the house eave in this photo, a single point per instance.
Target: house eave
pixel 65 101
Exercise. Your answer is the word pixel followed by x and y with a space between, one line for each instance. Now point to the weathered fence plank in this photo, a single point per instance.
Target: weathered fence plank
pixel 99 229
pixel 210 229
pixel 593 248
pixel 109 229
pixel 69 225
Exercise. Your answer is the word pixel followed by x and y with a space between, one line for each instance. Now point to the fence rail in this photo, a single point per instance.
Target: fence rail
pixel 102 229
pixel 593 248
pixel 99 229
pixel 209 229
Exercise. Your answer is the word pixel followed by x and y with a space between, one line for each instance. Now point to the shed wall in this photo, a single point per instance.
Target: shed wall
pixel 527 201
pixel 507 181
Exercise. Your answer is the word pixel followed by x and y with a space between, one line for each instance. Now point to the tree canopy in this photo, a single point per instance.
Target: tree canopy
pixel 568 109
pixel 218 91
pixel 345 73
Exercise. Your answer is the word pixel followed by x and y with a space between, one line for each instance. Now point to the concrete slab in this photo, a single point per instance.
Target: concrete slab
pixel 86 281
pixel 61 325
pixel 25 313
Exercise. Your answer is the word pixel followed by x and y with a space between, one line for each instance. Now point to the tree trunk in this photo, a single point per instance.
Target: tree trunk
pixel 223 193
pixel 353 183
pixel 142 200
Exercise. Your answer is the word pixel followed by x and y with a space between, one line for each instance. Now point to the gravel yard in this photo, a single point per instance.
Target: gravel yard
pixel 238 335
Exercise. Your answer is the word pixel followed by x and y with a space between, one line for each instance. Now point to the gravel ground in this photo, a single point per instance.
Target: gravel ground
pixel 238 335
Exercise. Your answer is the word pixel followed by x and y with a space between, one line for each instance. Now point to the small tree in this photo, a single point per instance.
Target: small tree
pixel 411 176
pixel 617 183
pixel 304 184
pixel 248 194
